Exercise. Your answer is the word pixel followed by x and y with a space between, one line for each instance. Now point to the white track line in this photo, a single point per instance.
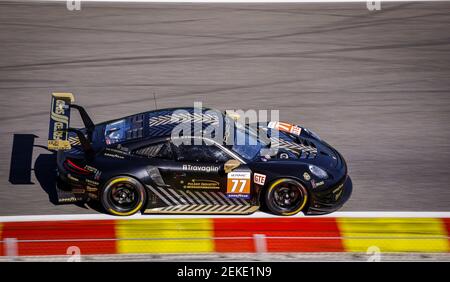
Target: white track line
pixel 22 218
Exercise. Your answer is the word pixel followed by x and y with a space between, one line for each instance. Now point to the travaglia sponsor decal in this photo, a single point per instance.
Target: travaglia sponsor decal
pixel 201 168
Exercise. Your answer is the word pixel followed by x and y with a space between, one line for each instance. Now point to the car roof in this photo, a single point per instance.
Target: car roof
pixel 160 123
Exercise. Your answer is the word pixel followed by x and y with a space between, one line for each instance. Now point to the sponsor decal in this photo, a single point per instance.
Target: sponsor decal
pixel 286 127
pixel 78 190
pixel 93 183
pixel 238 184
pixel 306 176
pixel 201 168
pixel 91 189
pixel 114 153
pixel 58 144
pixel 114 156
pixel 59 121
pixel 114 150
pixel 259 179
pixel 93 196
pixel 90 168
pixel 67 200
pixel 202 184
pixel 72 178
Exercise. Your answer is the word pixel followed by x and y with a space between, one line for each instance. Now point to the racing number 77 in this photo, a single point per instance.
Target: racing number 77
pixel 236 183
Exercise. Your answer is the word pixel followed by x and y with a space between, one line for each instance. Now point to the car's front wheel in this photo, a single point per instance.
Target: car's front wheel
pixel 123 196
pixel 286 197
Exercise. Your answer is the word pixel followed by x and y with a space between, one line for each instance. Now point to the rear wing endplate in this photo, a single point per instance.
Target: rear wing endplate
pixel 59 121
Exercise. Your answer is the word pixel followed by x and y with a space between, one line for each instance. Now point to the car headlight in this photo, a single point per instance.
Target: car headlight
pixel 317 171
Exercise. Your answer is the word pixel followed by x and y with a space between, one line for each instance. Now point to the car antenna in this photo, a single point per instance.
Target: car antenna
pixel 154 98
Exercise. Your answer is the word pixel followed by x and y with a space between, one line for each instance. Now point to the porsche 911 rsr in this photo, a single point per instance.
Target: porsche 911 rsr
pixel 137 164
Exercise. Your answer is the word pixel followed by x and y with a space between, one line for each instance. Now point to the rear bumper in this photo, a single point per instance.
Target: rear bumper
pixel 63 174
pixel 72 187
pixel 324 205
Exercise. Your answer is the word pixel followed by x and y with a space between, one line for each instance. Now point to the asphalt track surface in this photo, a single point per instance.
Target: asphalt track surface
pixel 375 84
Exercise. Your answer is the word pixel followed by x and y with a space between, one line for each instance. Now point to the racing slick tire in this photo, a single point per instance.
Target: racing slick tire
pixel 285 197
pixel 123 196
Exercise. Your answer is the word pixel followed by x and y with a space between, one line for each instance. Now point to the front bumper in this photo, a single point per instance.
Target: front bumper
pixel 332 201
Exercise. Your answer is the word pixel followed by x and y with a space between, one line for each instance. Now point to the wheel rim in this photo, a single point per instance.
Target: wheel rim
pixel 288 197
pixel 123 196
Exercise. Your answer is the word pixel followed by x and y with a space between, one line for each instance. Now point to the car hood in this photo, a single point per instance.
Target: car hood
pixel 300 148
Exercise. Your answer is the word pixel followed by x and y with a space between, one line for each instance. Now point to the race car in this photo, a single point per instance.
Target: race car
pixel 169 161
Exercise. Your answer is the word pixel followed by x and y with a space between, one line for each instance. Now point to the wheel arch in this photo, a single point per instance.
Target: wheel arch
pixel 125 175
pixel 273 180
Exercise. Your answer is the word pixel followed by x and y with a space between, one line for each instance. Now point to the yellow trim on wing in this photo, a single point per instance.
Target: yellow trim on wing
pixel 64 95
pixel 58 145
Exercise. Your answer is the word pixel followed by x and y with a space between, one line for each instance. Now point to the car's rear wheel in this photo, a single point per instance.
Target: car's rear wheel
pixel 123 196
pixel 286 197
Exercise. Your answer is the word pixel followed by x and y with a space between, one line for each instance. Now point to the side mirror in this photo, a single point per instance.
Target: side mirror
pixel 230 165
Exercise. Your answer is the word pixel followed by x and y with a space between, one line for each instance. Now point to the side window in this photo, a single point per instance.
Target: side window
pixel 199 153
pixel 218 154
pixel 160 150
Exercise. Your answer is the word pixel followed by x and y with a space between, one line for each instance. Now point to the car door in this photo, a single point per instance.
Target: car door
pixel 202 168
pixel 198 166
pixel 184 166
pixel 195 174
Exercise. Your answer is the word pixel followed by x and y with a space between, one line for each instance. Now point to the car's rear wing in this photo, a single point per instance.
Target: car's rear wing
pixel 59 121
pixel 59 128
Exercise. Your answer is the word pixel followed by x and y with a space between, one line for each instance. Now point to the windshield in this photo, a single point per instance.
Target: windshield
pixel 246 143
pixel 248 152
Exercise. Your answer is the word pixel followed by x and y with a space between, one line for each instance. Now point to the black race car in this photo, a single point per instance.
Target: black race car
pixel 170 161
